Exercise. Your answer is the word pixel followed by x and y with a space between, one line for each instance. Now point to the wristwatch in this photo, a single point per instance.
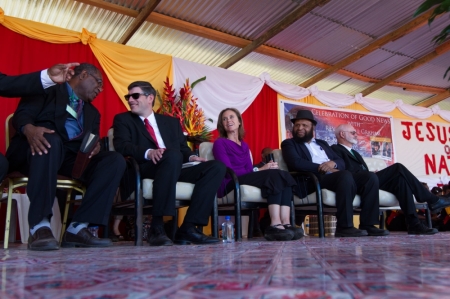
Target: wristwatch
pixel 255 169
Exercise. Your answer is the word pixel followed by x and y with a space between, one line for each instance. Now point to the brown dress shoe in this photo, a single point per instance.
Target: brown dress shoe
pixel 42 240
pixel 84 238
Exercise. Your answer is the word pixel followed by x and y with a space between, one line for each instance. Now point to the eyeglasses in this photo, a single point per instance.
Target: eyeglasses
pixel 135 95
pixel 351 132
pixel 99 81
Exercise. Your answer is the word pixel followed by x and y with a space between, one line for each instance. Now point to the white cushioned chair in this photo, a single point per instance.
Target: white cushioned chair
pixel 242 198
pixel 388 201
pixel 134 205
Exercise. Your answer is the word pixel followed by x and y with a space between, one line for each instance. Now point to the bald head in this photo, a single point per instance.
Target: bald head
pixel 346 135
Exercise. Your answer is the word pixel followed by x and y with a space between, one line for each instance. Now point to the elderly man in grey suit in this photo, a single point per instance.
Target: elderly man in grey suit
pixel 396 179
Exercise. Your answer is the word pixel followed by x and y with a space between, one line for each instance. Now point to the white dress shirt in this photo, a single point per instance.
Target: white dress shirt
pixel 45 79
pixel 318 155
pixel 152 121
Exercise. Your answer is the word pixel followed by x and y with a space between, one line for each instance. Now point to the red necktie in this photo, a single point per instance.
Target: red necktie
pixel 151 131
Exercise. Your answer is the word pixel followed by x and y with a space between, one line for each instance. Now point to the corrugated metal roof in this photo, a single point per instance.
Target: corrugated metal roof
pixel 351 87
pixel 327 34
pixel 243 18
pixel 384 16
pixel 292 72
pixel 392 93
pixel 430 74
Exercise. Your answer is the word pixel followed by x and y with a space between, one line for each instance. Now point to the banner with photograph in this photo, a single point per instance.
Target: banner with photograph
pixel 423 146
pixel 375 132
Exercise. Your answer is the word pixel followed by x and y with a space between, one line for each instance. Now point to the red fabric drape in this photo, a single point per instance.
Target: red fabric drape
pixel 261 123
pixel 23 55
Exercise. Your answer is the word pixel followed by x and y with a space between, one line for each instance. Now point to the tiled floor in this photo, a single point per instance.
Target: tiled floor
pixel 396 266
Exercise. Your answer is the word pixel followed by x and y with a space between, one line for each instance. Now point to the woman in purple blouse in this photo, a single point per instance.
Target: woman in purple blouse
pixel 276 185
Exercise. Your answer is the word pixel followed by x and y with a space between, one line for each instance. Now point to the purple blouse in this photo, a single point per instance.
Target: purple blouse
pixel 234 156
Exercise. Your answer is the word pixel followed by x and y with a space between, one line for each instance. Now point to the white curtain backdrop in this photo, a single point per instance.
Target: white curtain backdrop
pixel 225 88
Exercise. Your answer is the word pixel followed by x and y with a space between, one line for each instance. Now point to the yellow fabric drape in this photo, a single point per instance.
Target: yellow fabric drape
pixel 125 64
pixel 122 64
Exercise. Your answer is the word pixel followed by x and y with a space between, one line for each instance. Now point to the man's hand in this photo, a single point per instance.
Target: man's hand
pixel 36 140
pixel 61 73
pixel 327 167
pixel 95 151
pixel 155 155
pixel 196 158
pixel 270 165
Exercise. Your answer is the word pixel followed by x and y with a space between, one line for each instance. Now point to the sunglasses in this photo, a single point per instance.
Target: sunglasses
pixel 135 95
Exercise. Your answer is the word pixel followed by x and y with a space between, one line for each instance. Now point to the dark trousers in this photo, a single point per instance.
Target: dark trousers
pixel 3 167
pixel 398 180
pixel 346 185
pixel 102 177
pixel 207 177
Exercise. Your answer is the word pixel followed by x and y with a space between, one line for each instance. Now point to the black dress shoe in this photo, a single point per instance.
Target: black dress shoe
pixel 157 236
pixel 298 231
pixel 421 229
pixel 438 205
pixel 84 238
pixel 374 231
pixel 193 235
pixel 348 232
pixel 272 233
pixel 42 240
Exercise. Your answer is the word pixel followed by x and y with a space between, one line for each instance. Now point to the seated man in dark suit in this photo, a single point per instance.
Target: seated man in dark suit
pixel 50 129
pixel 157 143
pixel 305 153
pixel 31 84
pixel 396 179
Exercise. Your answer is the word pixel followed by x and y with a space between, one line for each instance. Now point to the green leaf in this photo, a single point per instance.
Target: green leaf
pixel 426 6
pixel 446 72
pixel 197 81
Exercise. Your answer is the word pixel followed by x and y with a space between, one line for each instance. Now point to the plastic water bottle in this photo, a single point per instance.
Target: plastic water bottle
pixel 227 231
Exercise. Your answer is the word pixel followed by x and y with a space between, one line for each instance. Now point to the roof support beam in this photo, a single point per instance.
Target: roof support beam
pixel 283 24
pixel 409 68
pixel 238 42
pixel 436 99
pixel 405 29
pixel 141 18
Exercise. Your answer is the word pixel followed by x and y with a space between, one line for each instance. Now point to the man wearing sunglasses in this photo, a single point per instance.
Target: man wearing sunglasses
pixel 396 179
pixel 159 146
pixel 50 130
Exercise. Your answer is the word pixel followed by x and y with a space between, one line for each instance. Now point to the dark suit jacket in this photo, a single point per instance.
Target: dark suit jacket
pixel 20 86
pixel 297 156
pixel 132 139
pixel 352 163
pixel 49 110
